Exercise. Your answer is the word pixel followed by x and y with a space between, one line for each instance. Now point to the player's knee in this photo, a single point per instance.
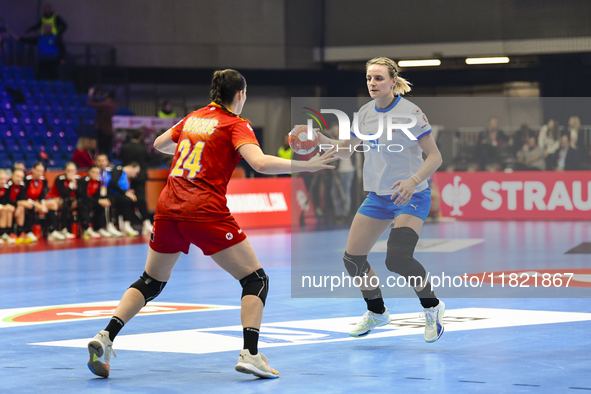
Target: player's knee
pixel 399 255
pixel 256 284
pixel 148 286
pixel 356 265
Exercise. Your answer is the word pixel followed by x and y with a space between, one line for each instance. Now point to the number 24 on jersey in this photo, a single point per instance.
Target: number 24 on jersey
pixel 188 159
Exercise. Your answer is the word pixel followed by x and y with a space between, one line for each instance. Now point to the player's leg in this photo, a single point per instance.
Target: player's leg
pixel 159 264
pixel 241 262
pixel 53 205
pixel 399 259
pixel 365 232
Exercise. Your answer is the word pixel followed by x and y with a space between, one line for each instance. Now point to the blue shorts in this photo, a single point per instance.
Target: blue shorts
pixel 381 207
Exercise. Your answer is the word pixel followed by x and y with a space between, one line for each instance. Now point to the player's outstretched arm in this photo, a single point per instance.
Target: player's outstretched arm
pixel 165 144
pixel 267 164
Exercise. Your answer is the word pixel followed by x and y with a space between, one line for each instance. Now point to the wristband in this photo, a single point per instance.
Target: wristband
pixel 416 178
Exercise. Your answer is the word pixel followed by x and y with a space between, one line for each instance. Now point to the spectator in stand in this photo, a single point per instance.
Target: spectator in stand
pixel 105 110
pixel 166 110
pixel 52 20
pixel 135 150
pixel 14 193
pixel 91 203
pixel 85 151
pixel 6 211
pixel 36 189
pixel 489 142
pixel 531 157
pixel 566 158
pixel 521 138
pixel 122 196
pixel 575 132
pixel 50 44
pixel 62 197
pixel 549 140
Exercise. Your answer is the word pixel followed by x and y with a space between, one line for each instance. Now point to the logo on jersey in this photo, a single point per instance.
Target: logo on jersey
pixel 456 195
pixel 249 127
pixel 229 236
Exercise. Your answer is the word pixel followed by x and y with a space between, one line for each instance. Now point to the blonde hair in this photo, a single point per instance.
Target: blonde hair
pixel 576 121
pixel 82 142
pixel 402 85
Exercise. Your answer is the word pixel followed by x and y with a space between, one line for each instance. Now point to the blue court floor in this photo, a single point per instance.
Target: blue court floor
pixel 533 340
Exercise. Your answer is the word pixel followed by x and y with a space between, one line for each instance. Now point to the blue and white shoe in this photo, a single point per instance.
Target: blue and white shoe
pixel 369 321
pixel 434 322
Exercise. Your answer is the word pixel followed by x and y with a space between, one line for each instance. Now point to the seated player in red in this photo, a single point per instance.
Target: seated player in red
pixel 6 212
pixel 62 197
pixel 35 189
pixel 14 193
pixel 91 203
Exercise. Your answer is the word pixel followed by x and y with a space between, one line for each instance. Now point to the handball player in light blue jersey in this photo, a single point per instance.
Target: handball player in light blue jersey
pixel 395 175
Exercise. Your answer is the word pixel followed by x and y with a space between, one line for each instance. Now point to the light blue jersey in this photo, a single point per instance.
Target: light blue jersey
pixel 390 160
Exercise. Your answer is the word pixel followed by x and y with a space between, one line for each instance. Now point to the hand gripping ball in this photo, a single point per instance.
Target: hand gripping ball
pixel 299 142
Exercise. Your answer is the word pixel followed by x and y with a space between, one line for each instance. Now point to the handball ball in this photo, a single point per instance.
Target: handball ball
pixel 299 142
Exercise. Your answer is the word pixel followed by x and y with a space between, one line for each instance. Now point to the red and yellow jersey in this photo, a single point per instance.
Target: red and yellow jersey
pixel 207 153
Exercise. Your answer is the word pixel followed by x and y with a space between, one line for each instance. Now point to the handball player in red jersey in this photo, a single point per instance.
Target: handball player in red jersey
pixel 207 146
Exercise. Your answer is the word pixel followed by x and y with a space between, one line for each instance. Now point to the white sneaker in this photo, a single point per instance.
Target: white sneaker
pixel 67 234
pixel 130 231
pixel 99 346
pixel 32 237
pixel 370 321
pixel 113 231
pixel 147 228
pixel 91 233
pixel 104 233
pixel 56 236
pixel 258 365
pixel 434 322
pixel 8 240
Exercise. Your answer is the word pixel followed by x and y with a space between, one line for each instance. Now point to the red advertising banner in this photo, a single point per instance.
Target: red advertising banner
pixel 530 195
pixel 268 202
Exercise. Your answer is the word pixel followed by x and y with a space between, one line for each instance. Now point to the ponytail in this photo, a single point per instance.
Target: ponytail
pixel 224 86
pixel 402 85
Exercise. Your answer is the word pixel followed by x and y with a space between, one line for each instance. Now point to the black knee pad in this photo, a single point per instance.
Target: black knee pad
pixel 256 284
pixel 356 265
pixel 399 256
pixel 148 286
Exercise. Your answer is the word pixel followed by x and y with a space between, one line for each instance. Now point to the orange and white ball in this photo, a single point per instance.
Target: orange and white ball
pixel 299 142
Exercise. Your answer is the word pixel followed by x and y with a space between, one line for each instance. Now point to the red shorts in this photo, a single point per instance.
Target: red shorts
pixel 171 236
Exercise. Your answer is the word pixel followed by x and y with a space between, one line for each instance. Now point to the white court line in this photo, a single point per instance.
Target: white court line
pixel 318 331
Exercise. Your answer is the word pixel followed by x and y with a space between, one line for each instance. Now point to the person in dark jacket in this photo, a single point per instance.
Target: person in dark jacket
pixel 105 110
pixel 122 195
pixel 566 158
pixel 136 151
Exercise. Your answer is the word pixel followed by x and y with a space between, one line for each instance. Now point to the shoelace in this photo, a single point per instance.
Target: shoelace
pixel 368 316
pixel 430 316
pixel 112 350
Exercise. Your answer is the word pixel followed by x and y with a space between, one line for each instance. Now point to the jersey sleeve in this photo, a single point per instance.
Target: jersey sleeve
pixel 242 134
pixel 177 129
pixel 423 127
